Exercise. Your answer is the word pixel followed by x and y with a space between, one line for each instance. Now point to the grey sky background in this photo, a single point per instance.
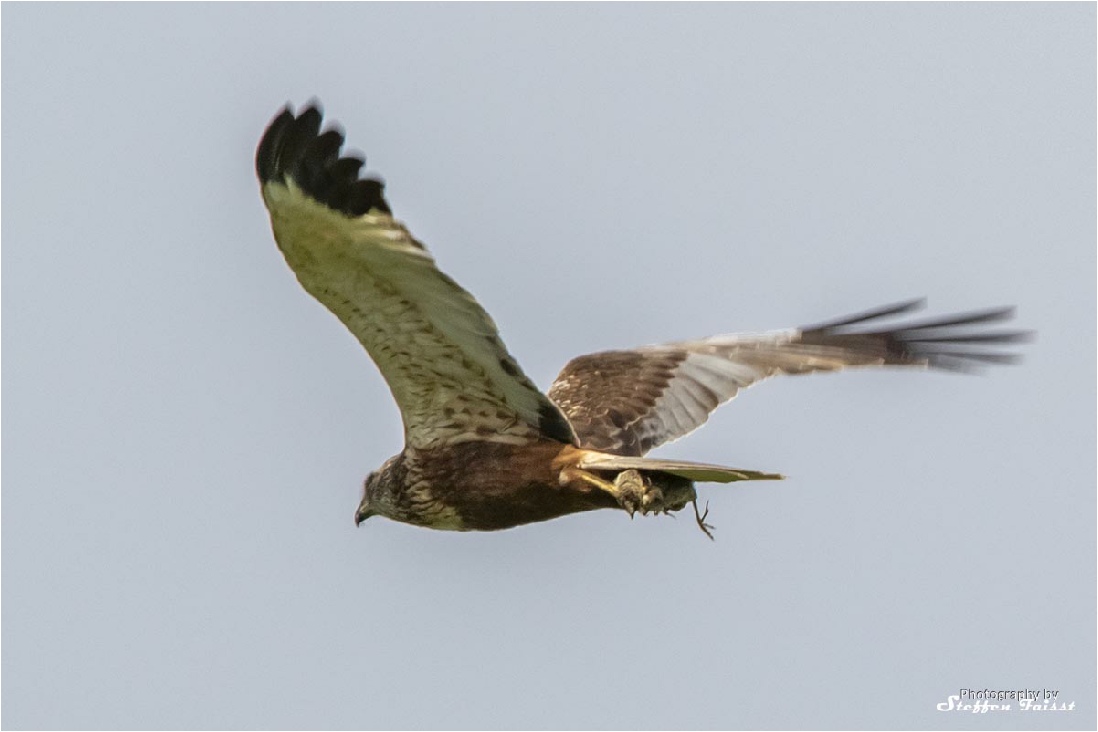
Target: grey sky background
pixel 186 431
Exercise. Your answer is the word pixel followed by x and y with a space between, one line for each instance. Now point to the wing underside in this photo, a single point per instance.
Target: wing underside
pixel 439 351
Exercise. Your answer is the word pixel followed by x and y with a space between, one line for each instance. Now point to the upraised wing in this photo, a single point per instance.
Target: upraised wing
pixel 440 353
pixel 628 402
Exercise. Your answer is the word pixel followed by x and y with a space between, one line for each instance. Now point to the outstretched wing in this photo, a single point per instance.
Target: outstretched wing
pixel 440 353
pixel 628 402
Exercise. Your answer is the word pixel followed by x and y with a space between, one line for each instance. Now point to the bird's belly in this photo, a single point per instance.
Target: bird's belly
pixel 481 486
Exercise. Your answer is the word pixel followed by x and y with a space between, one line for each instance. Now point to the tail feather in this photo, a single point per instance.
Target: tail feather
pixel 701 472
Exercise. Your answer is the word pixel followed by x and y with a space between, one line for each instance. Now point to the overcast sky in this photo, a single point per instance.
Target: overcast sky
pixel 186 430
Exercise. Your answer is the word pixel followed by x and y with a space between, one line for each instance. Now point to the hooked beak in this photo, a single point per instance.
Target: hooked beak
pixel 361 515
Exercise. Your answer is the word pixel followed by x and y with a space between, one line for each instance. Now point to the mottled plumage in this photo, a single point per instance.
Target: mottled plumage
pixel 484 448
pixel 629 402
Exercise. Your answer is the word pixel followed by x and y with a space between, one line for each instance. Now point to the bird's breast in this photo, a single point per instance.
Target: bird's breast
pixel 486 486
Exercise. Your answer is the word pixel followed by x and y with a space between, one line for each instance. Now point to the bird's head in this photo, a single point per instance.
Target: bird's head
pixel 378 491
pixel 365 507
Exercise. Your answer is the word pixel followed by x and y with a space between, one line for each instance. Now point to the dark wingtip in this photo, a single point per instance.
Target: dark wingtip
pixel 885 311
pixel 266 155
pixel 293 147
pixel 950 343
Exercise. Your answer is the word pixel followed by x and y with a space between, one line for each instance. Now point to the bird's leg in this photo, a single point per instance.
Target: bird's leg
pixel 700 517
pixel 624 492
pixel 630 488
pixel 636 493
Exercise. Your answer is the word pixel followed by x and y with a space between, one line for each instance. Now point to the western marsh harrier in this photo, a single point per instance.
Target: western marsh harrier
pixel 485 449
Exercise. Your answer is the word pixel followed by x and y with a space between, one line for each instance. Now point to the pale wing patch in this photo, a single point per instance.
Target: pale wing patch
pixel 701 383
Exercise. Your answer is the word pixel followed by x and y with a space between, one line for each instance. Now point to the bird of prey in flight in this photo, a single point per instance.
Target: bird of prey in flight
pixel 484 448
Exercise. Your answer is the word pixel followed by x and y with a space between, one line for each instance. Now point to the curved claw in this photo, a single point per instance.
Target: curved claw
pixel 700 518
